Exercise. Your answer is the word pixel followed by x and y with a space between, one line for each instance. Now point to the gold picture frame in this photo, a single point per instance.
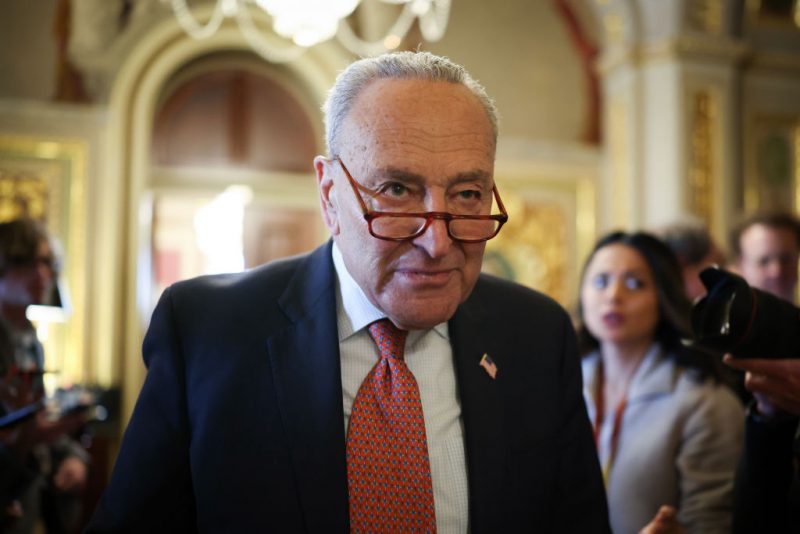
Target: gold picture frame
pixel 44 178
pixel 551 230
pixel 772 179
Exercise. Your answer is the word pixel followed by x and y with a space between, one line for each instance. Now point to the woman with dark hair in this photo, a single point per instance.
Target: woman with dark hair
pixel 667 432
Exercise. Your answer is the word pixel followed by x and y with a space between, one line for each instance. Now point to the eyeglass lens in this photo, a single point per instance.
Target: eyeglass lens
pixel 400 227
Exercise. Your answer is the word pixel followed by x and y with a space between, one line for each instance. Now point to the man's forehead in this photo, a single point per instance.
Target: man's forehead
pixel 417 126
pixel 428 103
pixel 409 175
pixel 762 234
pixel 761 240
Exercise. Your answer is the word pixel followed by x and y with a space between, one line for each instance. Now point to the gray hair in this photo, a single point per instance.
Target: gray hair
pixel 397 65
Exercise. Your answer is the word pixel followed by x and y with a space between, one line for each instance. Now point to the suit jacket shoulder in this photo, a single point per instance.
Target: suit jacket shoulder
pixel 277 291
pixel 243 386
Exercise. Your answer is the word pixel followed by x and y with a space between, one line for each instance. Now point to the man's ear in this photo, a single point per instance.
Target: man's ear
pixel 327 193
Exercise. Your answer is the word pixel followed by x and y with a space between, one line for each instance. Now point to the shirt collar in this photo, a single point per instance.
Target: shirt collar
pixel 358 310
pixel 655 375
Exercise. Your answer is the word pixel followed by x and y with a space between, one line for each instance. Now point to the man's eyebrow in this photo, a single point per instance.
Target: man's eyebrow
pixel 472 176
pixel 406 176
pixel 399 174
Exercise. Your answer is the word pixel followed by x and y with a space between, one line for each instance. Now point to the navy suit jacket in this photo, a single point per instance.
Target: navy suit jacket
pixel 239 426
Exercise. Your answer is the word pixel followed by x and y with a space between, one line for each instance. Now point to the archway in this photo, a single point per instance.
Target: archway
pixel 155 61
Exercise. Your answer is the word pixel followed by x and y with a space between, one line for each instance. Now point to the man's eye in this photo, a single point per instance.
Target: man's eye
pixel 469 194
pixel 395 189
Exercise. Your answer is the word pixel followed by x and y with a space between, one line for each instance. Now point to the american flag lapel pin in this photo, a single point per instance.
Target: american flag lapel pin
pixel 488 366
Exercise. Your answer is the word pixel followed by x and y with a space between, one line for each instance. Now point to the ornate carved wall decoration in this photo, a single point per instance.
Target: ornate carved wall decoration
pixel 532 247
pixel 701 173
pixel 705 16
pixel 773 171
pixel 548 235
pixel 25 192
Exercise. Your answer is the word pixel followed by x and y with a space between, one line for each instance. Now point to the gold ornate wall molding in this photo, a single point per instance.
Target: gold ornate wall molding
pixel 772 179
pixel 702 149
pixel 705 16
pixel 551 228
pixel 685 47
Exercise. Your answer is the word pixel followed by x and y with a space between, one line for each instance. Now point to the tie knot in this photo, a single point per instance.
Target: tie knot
pixel 390 340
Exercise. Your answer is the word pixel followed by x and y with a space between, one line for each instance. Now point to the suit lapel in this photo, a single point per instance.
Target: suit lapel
pixel 306 367
pixel 482 411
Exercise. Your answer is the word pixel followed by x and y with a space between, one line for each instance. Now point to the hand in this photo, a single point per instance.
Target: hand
pixel 775 383
pixel 70 475
pixel 665 522
pixel 14 510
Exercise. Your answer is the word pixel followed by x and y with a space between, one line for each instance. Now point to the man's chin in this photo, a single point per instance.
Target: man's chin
pixel 421 318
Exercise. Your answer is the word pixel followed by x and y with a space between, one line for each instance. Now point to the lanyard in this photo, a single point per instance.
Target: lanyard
pixel 599 403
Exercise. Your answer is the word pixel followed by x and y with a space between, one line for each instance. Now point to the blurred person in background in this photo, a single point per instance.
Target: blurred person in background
pixel 767 497
pixel 60 465
pixel 766 249
pixel 695 249
pixel 667 432
pixel 14 477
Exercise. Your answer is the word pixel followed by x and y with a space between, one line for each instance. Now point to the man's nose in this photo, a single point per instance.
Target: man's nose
pixel 435 239
pixel 43 270
pixel 775 269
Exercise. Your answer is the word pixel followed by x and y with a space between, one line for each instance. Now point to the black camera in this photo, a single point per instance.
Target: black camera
pixel 746 322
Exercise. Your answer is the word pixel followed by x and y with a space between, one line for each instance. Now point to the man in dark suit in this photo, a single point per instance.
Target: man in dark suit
pixel 767 485
pixel 244 423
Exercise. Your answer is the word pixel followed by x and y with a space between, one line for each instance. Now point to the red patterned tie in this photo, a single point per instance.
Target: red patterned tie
pixel 388 471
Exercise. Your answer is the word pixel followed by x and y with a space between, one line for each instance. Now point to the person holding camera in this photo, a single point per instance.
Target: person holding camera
pixel 767 489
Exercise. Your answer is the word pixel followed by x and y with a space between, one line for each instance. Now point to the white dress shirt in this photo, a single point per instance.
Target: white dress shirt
pixel 429 357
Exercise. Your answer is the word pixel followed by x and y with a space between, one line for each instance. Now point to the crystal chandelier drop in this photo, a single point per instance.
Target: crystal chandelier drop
pixel 308 22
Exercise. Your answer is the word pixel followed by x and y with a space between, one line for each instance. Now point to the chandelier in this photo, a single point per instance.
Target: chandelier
pixel 308 22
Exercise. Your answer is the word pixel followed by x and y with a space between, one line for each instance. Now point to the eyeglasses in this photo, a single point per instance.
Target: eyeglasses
pixel 24 262
pixel 403 226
